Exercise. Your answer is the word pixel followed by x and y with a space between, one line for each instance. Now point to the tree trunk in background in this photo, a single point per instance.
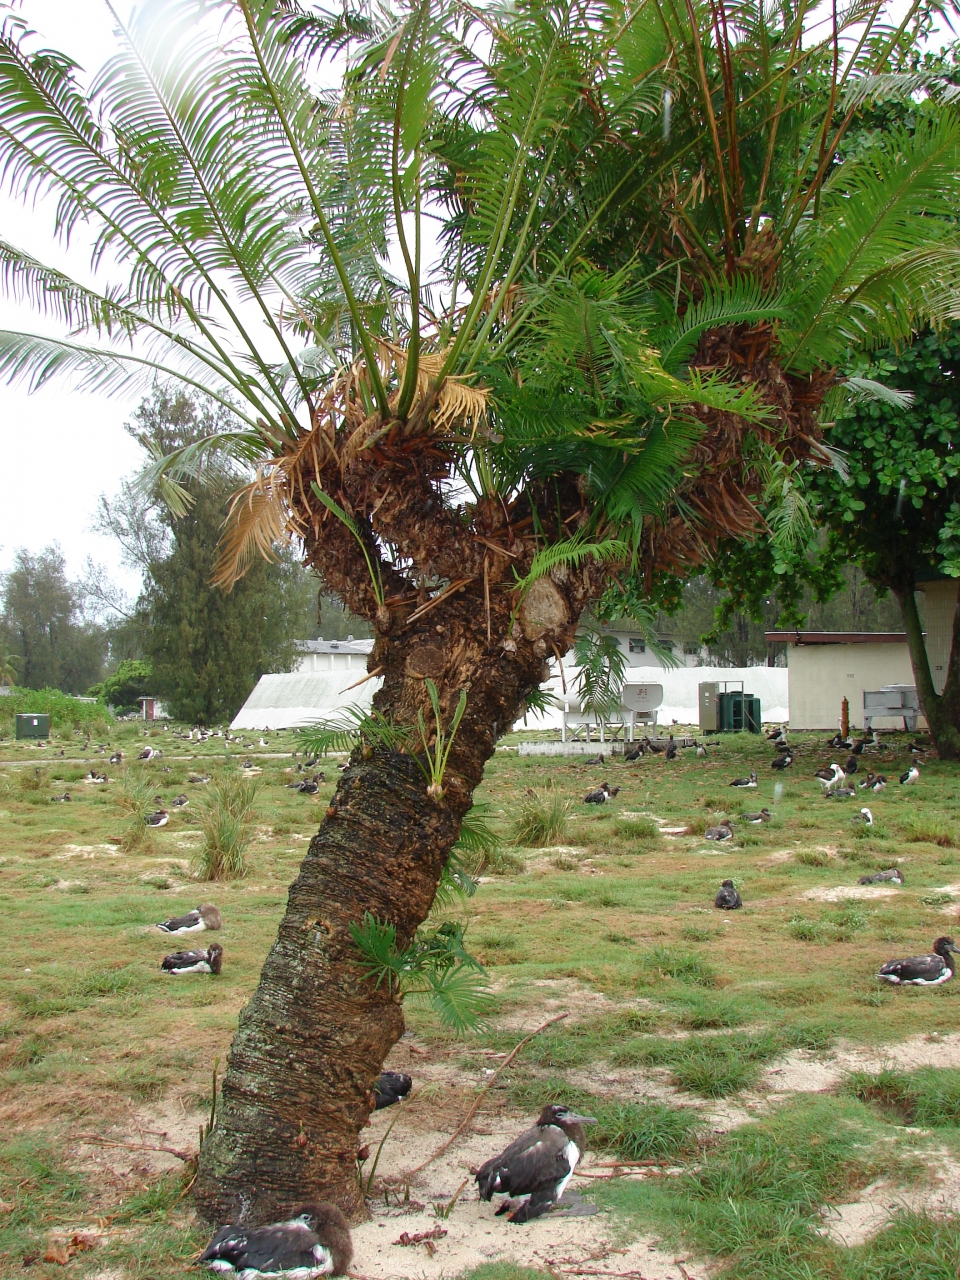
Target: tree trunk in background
pixel 309 1046
pixel 942 711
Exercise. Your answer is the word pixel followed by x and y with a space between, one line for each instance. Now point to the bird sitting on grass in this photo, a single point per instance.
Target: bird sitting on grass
pixel 727 898
pixel 746 782
pixel 537 1166
pixel 842 793
pixel 723 831
pixel 391 1086
pixel 181 801
pixel 873 782
pixel 208 961
pixel 656 747
pixel 762 815
pixel 839 742
pixel 911 776
pixel 310 786
pixel 64 799
pixel 894 876
pixel 198 778
pixel 864 818
pixel 922 971
pixel 602 794
pixel 116 757
pixel 671 751
pixel 313 1242
pixel 158 819
pixel 597 759
pixel 851 765
pixel 635 753
pixel 206 916
pixel 701 750
pixel 782 762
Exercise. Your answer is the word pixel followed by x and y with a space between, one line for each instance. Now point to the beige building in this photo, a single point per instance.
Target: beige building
pixel 824 667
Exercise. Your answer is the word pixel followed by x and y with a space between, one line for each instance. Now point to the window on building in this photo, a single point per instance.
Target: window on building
pixel 637 645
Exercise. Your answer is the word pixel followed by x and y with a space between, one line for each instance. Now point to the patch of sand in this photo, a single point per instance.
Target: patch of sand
pixel 803 1071
pixel 87 851
pixel 852 1224
pixel 844 891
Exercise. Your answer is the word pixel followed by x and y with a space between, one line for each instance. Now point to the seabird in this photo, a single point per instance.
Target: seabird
pixel 209 961
pixel 922 971
pixel 206 916
pixel 671 751
pixel 830 776
pixel 310 786
pixel 635 754
pixel 701 750
pixel 724 831
pixel 263 742
pixel 181 801
pixel 247 764
pixel 116 757
pixel 199 777
pixel 865 817
pixel 64 799
pixel 655 747
pixel 746 782
pixel 158 819
pixel 147 753
pixel 873 782
pixel 727 897
pixel 911 776
pixel 599 796
pixel 782 762
pixel 857 748
pixel 838 742
pixel 842 793
pixel 538 1165
pixel 391 1086
pixel 314 1241
pixel 598 759
pixel 881 877
pixel 851 765
pixel 762 815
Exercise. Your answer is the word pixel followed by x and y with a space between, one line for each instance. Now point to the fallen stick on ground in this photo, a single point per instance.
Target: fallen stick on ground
pixel 405 1177
pixel 136 1146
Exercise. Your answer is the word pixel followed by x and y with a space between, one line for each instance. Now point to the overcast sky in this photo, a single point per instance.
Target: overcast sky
pixel 60 448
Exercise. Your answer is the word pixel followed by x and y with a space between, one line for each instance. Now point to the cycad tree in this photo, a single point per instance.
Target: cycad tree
pixel 649 264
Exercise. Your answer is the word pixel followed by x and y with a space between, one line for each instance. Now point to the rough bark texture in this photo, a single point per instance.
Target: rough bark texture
pixel 298 1089
pixel 942 710
pixel 439 583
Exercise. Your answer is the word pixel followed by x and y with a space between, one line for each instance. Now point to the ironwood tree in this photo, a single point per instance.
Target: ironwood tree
pixel 650 267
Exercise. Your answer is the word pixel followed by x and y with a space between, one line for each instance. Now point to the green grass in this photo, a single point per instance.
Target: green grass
pixel 928 1097
pixel 754 1202
pixel 543 819
pixel 655 982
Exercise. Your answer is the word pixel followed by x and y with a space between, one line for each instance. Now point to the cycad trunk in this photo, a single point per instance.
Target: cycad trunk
pixel 942 710
pixel 310 1043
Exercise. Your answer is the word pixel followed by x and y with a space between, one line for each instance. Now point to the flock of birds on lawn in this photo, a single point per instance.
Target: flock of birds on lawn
pixel 533 1172
pixel 836 783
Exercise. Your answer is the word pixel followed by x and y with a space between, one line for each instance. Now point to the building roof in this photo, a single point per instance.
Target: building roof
pixel 836 637
pixel 291 699
pixel 335 646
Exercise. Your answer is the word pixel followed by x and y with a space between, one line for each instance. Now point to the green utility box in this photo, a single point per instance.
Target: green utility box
pixel 738 712
pixel 33 725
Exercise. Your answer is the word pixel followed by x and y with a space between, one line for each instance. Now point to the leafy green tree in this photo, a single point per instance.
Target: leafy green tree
pixel 41 611
pixel 206 647
pixel 132 679
pixel 644 288
pixel 899 515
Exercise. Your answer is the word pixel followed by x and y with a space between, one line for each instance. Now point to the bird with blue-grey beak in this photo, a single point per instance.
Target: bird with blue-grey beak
pixel 537 1166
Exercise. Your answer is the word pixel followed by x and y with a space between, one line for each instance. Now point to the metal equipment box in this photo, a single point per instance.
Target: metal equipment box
pixel 709 707
pixel 33 725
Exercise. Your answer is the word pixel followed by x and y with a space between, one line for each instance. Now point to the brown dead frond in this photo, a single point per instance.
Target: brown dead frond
pixel 457 405
pixel 259 517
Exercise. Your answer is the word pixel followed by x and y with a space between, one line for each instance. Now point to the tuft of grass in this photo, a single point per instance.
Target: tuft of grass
pixel 926 830
pixel 915 1246
pixel 543 818
pixel 833 926
pixel 136 800
pixel 703 1011
pixel 631 1130
pixel 928 1097
pixel 684 966
pixel 813 858
pixel 712 1066
pixel 227 816
pixel 637 826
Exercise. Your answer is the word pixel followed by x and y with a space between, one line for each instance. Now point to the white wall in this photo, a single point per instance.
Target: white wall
pixel 822 675
pixel 681 691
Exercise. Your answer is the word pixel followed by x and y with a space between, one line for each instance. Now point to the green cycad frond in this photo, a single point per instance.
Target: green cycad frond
pixel 740 301
pixel 849 283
